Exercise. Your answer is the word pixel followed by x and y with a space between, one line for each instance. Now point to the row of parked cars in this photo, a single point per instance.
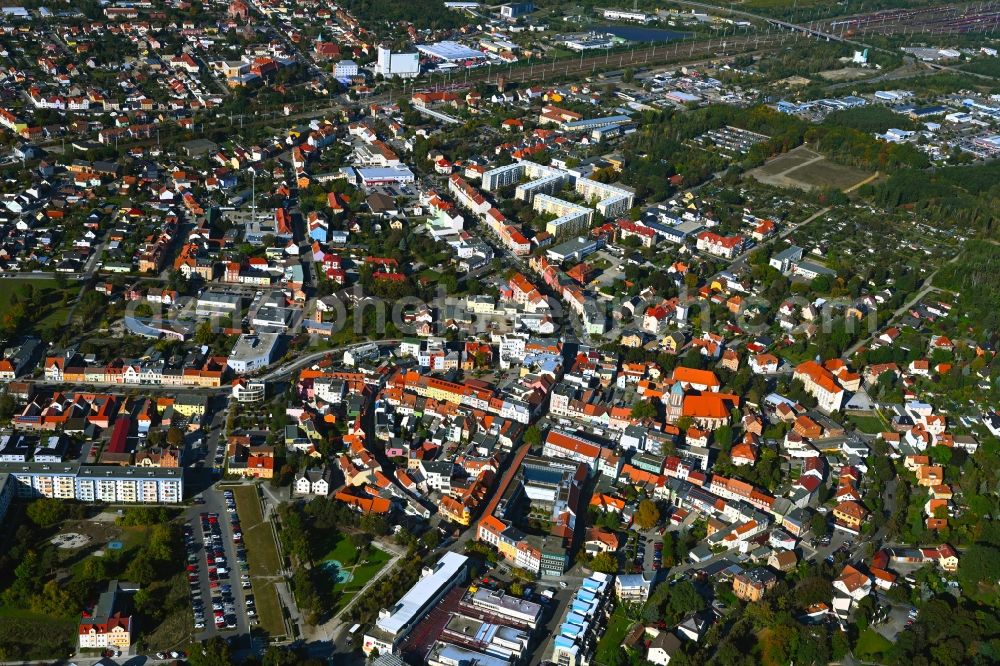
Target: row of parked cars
pixel 640 555
pixel 173 654
pixel 241 558
pixel 223 606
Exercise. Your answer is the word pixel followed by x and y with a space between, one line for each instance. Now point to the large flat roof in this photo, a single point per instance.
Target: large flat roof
pixel 449 653
pixel 413 602
pixel 92 471
pixel 252 346
pixel 381 173
pixel 508 603
pixel 450 51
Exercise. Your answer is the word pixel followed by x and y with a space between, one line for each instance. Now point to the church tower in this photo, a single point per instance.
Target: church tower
pixel 675 403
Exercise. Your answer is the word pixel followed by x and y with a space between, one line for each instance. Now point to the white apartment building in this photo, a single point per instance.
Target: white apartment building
pixel 97 483
pixel 570 217
pixel 249 391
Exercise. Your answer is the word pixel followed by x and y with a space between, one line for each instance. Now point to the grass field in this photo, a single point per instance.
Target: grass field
pixel 176 628
pixel 262 555
pixel 805 169
pixel 37 639
pixel 342 551
pixel 614 636
pixel 53 313
pixel 369 567
pixel 868 424
pixel 987 67
pixel 871 645
pixel 776 4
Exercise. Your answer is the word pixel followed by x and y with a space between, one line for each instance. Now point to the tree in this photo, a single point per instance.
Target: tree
pixel 431 539
pixel 604 563
pixel 54 599
pixel 979 564
pixel 684 599
pixel 374 524
pixel 821 284
pixel 724 437
pixel 276 656
pixel 360 541
pixel 812 590
pixel 205 333
pixel 533 436
pixel 46 512
pixel 818 525
pixel 647 515
pixel 94 570
pixel 940 455
pixel 214 652
pixel 7 406
pixel 141 570
pixel 643 409
pixel 175 437
pixel 155 438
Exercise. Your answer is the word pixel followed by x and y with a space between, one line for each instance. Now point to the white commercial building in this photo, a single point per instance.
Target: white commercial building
pixel 369 177
pixel 508 607
pixel 253 352
pixel 448 51
pixel 627 15
pixel 395 623
pixel 361 353
pixel 402 65
pixel 249 391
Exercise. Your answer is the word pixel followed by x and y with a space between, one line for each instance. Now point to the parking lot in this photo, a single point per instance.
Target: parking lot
pixel 646 554
pixel 221 592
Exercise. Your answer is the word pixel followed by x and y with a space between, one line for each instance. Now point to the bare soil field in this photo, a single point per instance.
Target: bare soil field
pixel 805 169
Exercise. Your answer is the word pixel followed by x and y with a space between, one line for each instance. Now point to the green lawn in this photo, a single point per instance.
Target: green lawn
pixel 7 612
pixel 342 601
pixel 52 312
pixel 793 357
pixel 248 505
pixel 871 645
pixel 372 564
pixel 342 551
pixel 177 626
pixel 614 636
pixel 262 555
pixel 870 425
pixel 37 639
pixel 430 274
pixel 368 568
